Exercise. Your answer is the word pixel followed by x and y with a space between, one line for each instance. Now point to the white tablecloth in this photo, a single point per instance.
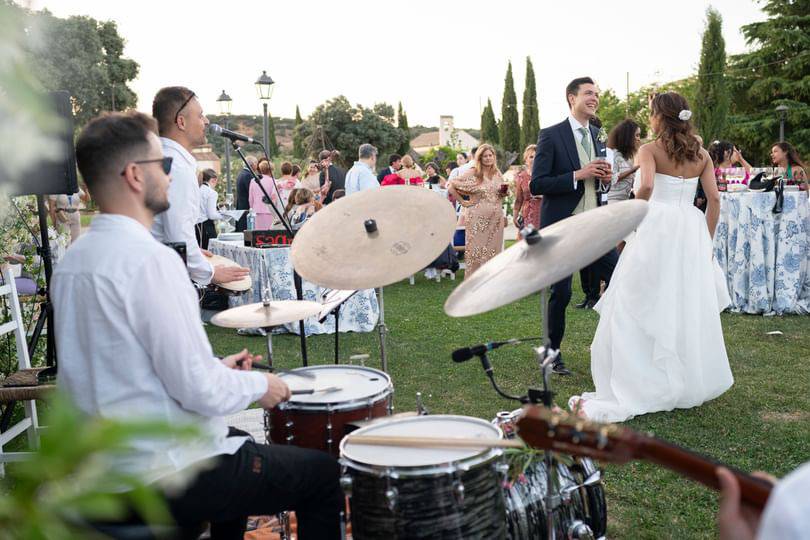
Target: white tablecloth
pixel 358 314
pixel 766 256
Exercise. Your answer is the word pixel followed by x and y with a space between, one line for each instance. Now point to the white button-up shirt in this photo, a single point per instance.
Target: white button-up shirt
pixel 459 171
pixel 208 204
pixel 787 514
pixel 360 178
pixel 131 345
pixel 177 223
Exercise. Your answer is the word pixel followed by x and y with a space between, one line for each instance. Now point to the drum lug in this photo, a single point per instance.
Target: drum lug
pixel 421 410
pixel 458 491
pixel 593 479
pixel 346 484
pixel 329 432
pixel 502 469
pixel 290 439
pixel 580 531
pixel 391 496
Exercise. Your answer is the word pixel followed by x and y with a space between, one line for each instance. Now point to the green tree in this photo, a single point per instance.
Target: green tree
pixel 346 127
pixel 272 144
pixel 775 72
pixel 711 103
pixel 298 141
pixel 510 124
pixel 402 123
pixel 84 57
pixel 489 126
pixel 531 114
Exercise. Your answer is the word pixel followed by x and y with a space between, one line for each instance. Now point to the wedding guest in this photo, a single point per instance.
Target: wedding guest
pixel 467 163
pixel 333 178
pixel 243 180
pixel 409 171
pixel 394 164
pixel 527 206
pixel 361 176
pixel 725 155
pixel 624 140
pixel 287 182
pixel 461 159
pixel 301 206
pixel 206 228
pixel 65 212
pixel 785 156
pixel 480 191
pixel 433 178
pixel 312 181
pixel 448 170
pixel 296 172
pixel 265 216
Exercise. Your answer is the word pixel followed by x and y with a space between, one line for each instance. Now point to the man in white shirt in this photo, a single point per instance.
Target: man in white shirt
pixel 466 166
pixel 131 345
pixel 209 214
pixel 182 125
pixel 361 176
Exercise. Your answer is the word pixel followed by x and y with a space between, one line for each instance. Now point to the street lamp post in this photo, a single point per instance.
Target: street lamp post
pixel 225 103
pixel 264 88
pixel 782 111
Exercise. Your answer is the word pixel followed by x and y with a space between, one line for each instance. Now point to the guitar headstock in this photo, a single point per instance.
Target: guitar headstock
pixel 540 427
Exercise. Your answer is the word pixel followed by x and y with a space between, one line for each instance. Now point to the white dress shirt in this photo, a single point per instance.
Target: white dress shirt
pixel 177 223
pixel 360 178
pixel 131 345
pixel 787 514
pixel 575 127
pixel 458 171
pixel 208 204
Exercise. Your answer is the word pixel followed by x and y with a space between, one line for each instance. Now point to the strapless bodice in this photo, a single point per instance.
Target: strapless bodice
pixel 674 190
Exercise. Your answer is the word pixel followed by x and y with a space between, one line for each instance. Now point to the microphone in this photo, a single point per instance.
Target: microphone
pixel 216 129
pixel 465 353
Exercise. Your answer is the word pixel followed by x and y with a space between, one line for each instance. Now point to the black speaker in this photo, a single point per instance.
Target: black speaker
pixel 58 176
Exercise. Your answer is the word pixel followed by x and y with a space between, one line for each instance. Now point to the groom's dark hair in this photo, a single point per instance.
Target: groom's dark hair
pixel 573 87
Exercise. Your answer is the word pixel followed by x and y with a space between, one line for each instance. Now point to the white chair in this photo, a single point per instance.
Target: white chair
pixel 14 387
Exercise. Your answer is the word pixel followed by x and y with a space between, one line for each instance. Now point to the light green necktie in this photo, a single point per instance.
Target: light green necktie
pixel 586 141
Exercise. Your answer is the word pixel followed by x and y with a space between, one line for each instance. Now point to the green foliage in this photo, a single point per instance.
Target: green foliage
pixel 83 56
pixel 510 125
pixel 272 144
pixel 67 482
pixel 346 127
pixel 442 155
pixel 489 126
pixel 298 142
pixel 531 114
pixel 775 72
pixel 402 123
pixel 711 103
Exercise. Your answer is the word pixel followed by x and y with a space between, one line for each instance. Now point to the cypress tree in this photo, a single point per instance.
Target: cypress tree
pixel 298 141
pixel 402 123
pixel 272 144
pixel 510 124
pixel 711 105
pixel 531 114
pixel 489 127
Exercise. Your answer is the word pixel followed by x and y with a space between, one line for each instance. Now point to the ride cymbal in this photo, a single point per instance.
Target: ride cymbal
pixel 260 316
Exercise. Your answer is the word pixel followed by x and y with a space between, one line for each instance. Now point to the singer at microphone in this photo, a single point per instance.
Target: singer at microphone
pixel 216 129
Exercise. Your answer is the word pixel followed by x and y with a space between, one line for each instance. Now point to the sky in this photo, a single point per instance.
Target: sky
pixel 437 57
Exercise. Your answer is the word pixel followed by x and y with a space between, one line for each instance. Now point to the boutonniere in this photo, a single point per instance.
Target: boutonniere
pixel 602 136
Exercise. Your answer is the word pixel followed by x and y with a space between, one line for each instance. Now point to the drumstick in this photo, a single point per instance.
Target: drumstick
pixel 433 442
pixel 265 367
pixel 327 390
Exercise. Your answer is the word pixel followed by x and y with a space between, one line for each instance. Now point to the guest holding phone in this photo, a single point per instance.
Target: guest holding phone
pixel 527 206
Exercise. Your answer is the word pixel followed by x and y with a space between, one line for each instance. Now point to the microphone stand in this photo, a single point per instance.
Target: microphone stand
pixel 299 288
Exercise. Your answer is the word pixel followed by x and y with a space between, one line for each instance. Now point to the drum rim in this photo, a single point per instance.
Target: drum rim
pixel 438 469
pixel 347 405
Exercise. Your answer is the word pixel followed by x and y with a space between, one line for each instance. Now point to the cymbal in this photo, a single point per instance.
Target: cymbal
pixel 334 249
pixel 563 248
pixel 260 316
pixel 240 285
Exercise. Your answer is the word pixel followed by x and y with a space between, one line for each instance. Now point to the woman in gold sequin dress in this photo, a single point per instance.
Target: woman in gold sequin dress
pixel 481 192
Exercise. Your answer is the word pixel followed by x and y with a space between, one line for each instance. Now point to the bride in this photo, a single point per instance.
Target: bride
pixel 659 343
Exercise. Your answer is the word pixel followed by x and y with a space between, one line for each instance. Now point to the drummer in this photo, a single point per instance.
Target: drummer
pixel 131 345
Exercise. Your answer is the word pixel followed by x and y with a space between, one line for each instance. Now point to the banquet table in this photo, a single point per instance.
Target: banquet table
pixel 765 256
pixel 358 314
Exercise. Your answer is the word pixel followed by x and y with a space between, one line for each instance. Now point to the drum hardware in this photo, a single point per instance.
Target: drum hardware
pixel 332 300
pixel 421 410
pixel 360 358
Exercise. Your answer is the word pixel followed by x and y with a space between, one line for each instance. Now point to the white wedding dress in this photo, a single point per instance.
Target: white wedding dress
pixel 659 343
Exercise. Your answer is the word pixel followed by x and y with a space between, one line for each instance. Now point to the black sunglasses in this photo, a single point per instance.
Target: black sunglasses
pixel 166 162
pixel 183 106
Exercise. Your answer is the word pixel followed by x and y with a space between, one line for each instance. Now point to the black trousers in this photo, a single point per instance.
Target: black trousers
pixel 204 232
pixel 601 269
pixel 589 283
pixel 262 479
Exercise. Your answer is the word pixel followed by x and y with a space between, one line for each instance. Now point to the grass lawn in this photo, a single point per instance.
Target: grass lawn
pixel 761 423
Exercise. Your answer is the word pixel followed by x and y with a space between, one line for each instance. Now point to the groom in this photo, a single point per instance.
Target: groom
pixel 570 182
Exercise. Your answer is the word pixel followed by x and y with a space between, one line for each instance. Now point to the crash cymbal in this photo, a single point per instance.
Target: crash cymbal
pixel 240 285
pixel 373 238
pixel 260 316
pixel 563 248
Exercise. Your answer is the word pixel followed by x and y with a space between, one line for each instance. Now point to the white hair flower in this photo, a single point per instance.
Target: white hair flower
pixel 685 115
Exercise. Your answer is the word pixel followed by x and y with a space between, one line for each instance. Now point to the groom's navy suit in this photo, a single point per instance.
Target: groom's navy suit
pixel 553 178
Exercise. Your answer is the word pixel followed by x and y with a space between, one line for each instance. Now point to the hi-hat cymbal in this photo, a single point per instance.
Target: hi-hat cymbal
pixel 563 248
pixel 408 228
pixel 260 316
pixel 240 285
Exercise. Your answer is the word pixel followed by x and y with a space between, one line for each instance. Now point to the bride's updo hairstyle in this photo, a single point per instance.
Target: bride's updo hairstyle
pixel 675 130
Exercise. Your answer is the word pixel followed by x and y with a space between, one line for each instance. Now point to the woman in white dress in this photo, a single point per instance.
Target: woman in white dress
pixel 659 343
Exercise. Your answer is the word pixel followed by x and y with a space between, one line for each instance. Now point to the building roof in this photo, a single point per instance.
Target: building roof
pixel 428 139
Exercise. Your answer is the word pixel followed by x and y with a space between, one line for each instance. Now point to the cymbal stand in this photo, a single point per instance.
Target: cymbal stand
pixel 382 329
pixel 266 299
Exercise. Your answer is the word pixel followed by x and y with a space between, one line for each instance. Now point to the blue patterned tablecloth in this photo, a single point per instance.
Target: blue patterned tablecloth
pixel 358 314
pixel 765 256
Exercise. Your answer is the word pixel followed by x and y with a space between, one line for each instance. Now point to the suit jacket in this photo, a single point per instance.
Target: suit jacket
pixel 552 172
pixel 338 178
pixel 383 173
pixel 243 180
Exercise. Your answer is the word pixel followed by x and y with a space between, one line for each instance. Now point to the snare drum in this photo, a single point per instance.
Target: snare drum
pixel 319 420
pixel 404 493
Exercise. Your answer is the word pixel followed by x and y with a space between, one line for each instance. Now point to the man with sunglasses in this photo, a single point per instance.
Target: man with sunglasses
pixel 182 126
pixel 131 346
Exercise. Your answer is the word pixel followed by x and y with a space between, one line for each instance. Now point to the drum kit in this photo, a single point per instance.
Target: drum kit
pixel 419 475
